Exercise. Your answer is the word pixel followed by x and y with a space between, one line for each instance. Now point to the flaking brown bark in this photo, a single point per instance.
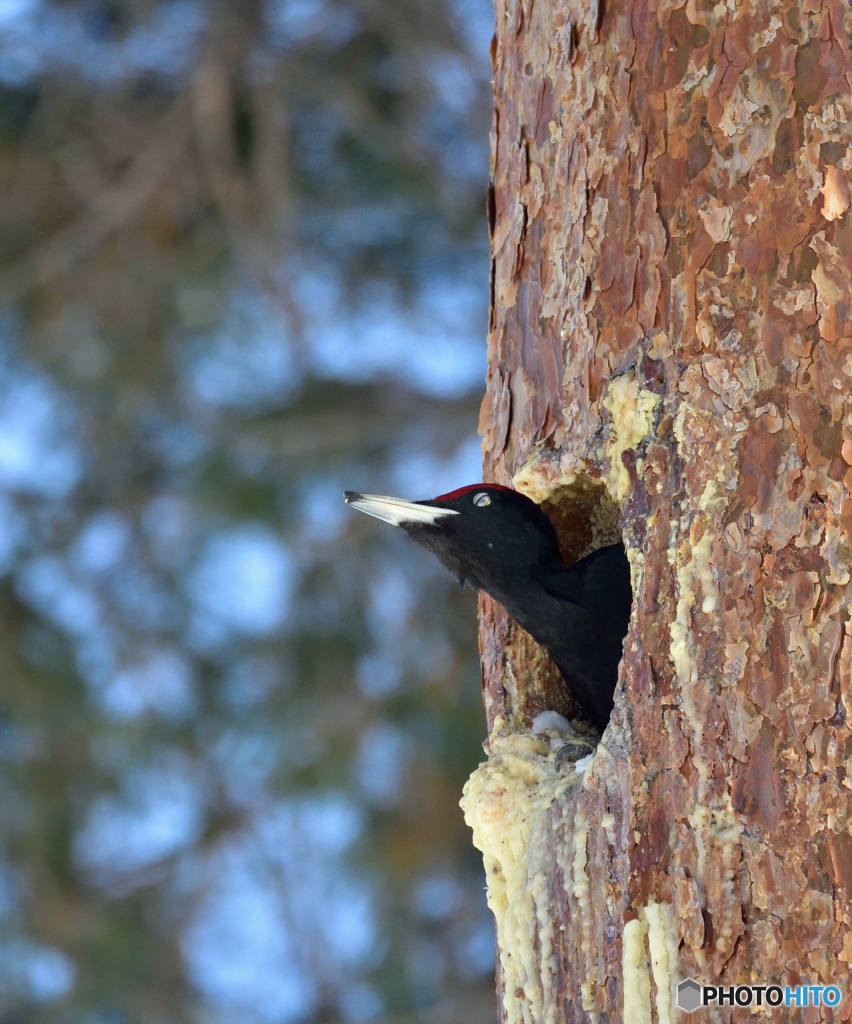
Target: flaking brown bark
pixel 670 338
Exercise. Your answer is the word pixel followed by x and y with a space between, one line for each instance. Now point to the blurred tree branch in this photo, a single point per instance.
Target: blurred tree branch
pixel 109 209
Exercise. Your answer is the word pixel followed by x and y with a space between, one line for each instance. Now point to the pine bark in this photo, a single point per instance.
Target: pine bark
pixel 670 355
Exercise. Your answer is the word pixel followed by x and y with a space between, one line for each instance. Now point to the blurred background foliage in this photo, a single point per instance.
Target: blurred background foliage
pixel 243 266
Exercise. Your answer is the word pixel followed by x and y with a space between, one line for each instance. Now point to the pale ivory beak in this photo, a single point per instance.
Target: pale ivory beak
pixel 396 511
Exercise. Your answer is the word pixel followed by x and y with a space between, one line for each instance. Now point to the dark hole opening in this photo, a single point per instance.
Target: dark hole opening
pixel 586 518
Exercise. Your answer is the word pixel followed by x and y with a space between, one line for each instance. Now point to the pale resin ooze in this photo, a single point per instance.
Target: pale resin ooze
pixel 507 804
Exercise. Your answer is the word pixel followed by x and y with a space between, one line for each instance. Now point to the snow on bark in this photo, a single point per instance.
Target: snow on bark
pixel 670 337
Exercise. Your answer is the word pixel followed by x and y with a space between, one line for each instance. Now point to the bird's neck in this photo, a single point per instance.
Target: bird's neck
pixel 525 592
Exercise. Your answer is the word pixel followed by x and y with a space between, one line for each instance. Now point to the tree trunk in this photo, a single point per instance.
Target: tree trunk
pixel 670 344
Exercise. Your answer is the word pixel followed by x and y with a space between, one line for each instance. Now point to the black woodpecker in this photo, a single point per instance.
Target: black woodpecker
pixel 497 540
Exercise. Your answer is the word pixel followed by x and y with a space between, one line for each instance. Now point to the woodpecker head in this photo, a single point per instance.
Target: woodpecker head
pixel 487 535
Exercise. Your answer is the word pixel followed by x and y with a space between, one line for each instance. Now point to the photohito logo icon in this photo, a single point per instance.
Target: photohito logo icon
pixel 689 995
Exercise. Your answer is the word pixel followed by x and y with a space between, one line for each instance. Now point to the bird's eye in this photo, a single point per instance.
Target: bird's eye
pixel 482 499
